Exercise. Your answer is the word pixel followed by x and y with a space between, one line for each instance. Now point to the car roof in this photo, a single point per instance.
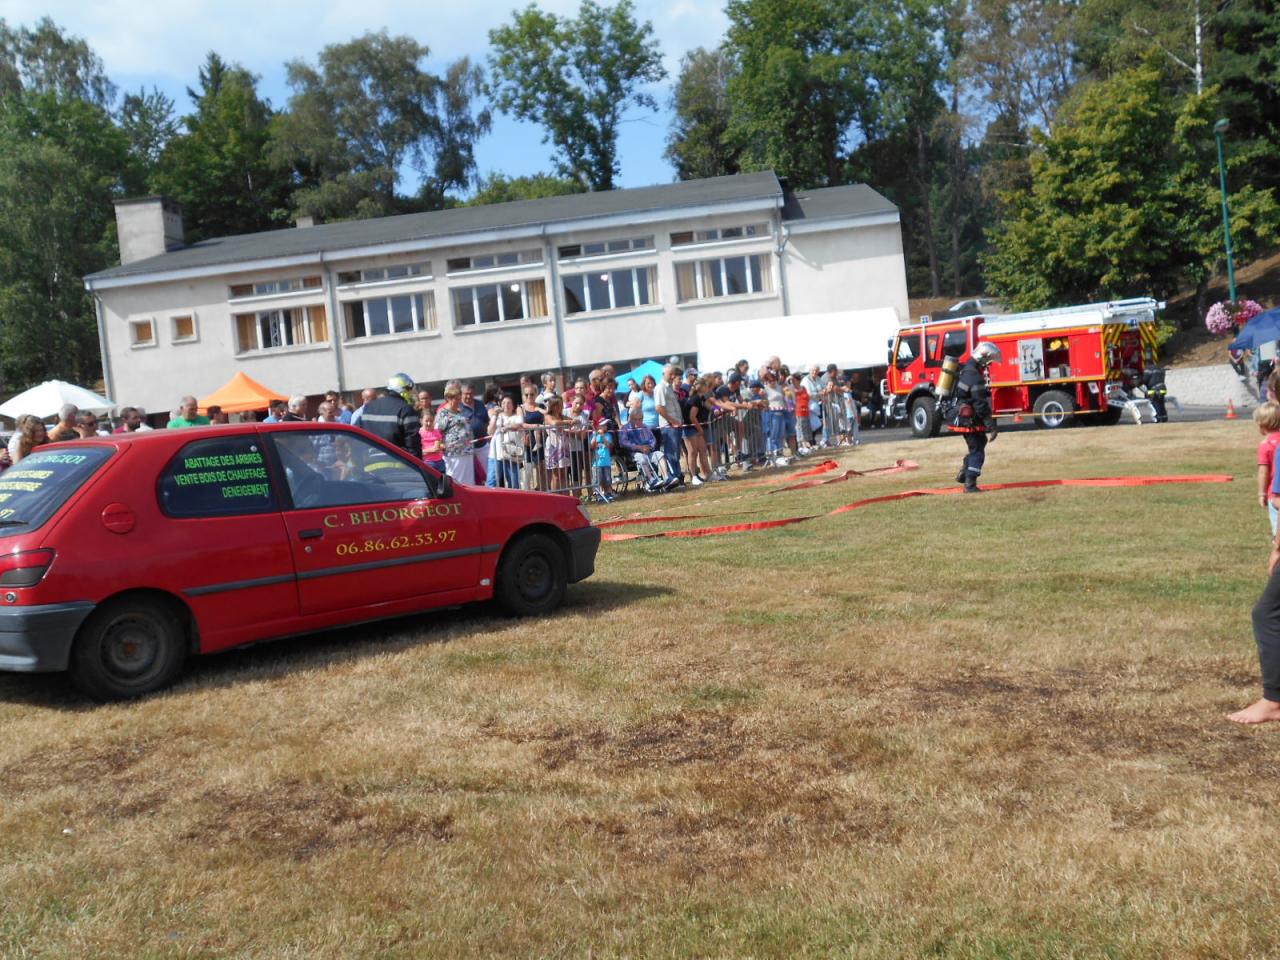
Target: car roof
pixel 180 435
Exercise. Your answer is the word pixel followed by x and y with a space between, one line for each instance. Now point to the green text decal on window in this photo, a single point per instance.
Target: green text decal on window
pixel 217 477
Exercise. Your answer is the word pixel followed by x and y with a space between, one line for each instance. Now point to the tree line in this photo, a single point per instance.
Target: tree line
pixel 1042 150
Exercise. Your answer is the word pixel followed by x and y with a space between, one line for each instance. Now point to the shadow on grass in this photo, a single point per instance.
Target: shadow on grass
pixel 318 651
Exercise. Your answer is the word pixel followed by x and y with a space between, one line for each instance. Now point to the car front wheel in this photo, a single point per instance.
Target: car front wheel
pixel 127 648
pixel 531 576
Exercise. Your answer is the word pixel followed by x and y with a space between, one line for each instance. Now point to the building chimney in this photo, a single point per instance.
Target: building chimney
pixel 302 222
pixel 147 227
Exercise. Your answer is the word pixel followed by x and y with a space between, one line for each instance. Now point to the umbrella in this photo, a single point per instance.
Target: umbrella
pixel 1264 328
pixel 50 397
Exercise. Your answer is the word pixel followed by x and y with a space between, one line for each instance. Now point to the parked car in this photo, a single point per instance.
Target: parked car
pixel 121 556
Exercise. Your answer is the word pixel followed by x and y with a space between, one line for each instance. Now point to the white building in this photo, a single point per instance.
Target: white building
pixel 483 293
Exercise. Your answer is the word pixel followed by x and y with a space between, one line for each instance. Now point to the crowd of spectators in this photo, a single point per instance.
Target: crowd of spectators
pixel 683 428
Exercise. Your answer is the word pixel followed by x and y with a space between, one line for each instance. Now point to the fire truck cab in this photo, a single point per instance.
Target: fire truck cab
pixel 1058 365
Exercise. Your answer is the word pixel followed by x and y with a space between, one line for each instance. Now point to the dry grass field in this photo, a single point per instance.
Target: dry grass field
pixel 946 727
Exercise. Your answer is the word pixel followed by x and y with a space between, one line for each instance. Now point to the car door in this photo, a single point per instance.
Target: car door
pixel 221 541
pixel 366 525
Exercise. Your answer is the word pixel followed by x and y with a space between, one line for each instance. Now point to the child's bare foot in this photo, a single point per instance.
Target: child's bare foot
pixel 1260 712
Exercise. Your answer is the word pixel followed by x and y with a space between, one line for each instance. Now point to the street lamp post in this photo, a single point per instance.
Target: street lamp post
pixel 1218 129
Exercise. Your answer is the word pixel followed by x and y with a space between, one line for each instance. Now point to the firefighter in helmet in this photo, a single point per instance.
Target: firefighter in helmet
pixel 392 417
pixel 1154 389
pixel 971 413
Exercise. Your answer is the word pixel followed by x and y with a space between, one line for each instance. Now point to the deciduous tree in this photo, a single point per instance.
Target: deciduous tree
pixel 576 77
pixel 218 167
pixel 699 144
pixel 498 188
pixel 60 163
pixel 803 84
pixel 1122 200
pixel 365 112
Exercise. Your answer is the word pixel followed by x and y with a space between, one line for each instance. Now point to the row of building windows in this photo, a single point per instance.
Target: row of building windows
pixel 574 251
pixel 485 304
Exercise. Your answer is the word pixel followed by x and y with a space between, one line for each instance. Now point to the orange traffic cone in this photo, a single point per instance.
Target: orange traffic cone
pixel 1231 411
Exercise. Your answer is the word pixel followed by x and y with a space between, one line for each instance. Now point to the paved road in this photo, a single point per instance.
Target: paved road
pixel 1193 414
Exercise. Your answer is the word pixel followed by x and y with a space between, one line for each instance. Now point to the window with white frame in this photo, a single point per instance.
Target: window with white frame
pixel 609 289
pixel 375 274
pixel 277 329
pixel 266 287
pixel 490 260
pixel 142 333
pixel 499 302
pixel 603 248
pixel 382 316
pixel 739 232
pixel 723 277
pixel 182 328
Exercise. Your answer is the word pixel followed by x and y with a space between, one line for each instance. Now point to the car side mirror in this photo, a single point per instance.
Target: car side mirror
pixel 444 487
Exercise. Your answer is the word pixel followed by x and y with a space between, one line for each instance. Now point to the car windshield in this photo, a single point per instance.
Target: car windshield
pixel 33 490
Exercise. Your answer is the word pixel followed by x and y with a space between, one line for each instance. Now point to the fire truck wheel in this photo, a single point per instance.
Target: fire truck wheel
pixel 1108 417
pixel 924 417
pixel 1054 409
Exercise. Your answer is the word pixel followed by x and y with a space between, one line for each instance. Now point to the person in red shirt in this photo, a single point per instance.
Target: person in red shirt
pixel 1267 417
pixel 804 432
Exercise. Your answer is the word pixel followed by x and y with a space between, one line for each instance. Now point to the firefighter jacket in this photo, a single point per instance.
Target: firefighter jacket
pixel 971 406
pixel 390 418
pixel 1153 381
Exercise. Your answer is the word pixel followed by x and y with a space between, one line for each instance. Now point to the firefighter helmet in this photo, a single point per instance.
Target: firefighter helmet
pixel 401 384
pixel 987 353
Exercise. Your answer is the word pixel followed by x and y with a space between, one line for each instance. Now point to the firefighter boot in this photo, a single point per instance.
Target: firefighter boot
pixel 971 483
pixel 963 475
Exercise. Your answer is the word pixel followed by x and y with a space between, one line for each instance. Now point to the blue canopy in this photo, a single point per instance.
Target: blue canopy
pixel 650 368
pixel 1264 328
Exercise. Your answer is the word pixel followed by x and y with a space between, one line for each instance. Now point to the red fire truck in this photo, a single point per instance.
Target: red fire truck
pixel 1059 365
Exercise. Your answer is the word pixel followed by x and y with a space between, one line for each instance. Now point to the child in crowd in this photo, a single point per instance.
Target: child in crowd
pixel 432 440
pixel 1267 417
pixel 804 432
pixel 602 457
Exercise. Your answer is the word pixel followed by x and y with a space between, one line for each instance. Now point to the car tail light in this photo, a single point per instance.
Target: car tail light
pixel 24 569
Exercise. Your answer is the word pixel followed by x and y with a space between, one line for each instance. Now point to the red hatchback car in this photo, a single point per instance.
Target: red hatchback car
pixel 120 556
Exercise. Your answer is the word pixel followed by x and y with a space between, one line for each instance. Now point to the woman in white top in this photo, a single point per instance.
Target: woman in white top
pixel 508 443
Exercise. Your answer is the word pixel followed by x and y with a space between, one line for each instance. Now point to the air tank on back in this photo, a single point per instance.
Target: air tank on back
pixel 947 378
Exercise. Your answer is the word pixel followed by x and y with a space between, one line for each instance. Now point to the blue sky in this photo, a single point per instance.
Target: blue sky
pixel 162 44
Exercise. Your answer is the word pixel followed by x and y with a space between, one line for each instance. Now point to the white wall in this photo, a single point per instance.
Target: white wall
pixel 843 269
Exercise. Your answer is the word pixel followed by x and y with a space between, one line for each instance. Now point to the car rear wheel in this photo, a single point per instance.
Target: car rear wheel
pixel 1054 409
pixel 127 648
pixel 531 576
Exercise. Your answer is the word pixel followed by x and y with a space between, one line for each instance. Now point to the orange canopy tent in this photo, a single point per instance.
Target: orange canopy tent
pixel 239 394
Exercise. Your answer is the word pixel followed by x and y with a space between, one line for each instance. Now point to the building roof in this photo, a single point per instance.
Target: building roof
pixel 459 221
pixel 831 203
pixel 364 237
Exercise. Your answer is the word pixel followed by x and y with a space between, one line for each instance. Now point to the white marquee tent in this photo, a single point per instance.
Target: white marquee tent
pixel 49 397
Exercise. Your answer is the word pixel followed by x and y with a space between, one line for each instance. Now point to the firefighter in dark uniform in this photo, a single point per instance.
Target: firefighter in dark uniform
pixel 971 413
pixel 1155 391
pixel 391 416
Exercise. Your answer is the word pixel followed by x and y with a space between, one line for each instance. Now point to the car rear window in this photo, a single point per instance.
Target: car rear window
pixel 32 490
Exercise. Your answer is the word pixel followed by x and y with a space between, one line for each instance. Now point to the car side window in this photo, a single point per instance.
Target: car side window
pixel 218 477
pixel 331 468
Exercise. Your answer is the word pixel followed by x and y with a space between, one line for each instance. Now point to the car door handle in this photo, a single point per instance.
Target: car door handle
pixel 310 534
